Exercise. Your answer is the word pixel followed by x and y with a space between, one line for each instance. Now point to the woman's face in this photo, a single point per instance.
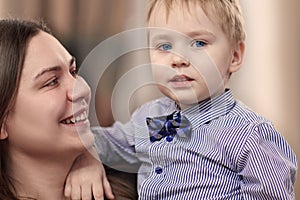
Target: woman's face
pixel 50 113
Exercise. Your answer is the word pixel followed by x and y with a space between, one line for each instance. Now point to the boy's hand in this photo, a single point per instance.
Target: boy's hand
pixel 87 178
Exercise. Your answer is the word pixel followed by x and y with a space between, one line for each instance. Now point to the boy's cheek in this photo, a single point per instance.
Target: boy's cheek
pixel 154 58
pixel 161 70
pixel 157 73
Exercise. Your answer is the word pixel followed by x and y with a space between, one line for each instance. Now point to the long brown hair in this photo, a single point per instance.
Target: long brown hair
pixel 14 36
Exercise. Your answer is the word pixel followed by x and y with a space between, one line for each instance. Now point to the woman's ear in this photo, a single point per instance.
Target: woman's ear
pixel 3 133
pixel 237 57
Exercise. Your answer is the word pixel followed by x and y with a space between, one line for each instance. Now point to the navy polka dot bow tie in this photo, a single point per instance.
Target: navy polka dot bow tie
pixel 168 126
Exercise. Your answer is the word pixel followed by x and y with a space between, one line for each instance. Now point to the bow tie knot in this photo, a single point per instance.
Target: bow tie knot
pixel 168 126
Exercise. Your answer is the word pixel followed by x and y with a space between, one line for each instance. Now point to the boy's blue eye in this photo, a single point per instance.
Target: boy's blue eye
pixel 199 44
pixel 165 47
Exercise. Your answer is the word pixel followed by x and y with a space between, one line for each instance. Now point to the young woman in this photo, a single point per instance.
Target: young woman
pixel 43 112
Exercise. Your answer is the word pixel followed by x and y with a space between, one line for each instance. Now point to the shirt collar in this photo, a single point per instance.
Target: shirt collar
pixel 207 110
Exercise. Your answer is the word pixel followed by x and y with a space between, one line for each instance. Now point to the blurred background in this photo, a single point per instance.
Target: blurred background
pixel 268 82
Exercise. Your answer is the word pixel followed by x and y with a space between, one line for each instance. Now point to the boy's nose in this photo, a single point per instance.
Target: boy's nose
pixel 179 61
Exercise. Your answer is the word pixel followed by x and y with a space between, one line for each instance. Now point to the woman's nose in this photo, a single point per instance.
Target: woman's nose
pixel 78 90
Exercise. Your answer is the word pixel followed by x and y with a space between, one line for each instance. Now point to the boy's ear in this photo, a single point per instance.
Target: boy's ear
pixel 3 133
pixel 237 57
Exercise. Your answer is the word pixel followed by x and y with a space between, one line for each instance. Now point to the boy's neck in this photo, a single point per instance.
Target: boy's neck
pixel 186 106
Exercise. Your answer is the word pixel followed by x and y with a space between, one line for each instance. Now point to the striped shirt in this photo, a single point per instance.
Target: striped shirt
pixel 232 153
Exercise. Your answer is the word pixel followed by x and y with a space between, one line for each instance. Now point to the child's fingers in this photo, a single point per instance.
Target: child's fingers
pixel 107 188
pixel 102 189
pixel 76 193
pixel 86 192
pixel 68 188
pixel 98 191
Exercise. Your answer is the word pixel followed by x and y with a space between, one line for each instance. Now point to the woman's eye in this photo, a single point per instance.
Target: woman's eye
pixel 52 82
pixel 199 44
pixel 74 72
pixel 165 47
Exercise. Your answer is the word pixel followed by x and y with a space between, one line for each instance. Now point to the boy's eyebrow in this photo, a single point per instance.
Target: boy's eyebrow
pixel 199 33
pixel 54 68
pixel 192 34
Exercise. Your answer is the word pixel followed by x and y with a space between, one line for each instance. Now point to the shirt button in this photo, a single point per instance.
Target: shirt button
pixel 169 138
pixel 158 170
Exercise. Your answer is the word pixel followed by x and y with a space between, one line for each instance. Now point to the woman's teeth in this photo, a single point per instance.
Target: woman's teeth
pixel 76 119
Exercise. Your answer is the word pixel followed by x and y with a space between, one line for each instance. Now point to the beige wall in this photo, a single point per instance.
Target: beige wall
pixel 269 81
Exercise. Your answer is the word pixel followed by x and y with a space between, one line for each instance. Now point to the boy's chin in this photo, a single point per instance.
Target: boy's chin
pixel 185 98
pixel 186 103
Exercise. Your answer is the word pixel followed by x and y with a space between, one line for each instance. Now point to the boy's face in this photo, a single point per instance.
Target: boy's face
pixel 190 54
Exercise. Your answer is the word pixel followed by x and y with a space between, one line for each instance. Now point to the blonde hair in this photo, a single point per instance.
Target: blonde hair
pixel 228 14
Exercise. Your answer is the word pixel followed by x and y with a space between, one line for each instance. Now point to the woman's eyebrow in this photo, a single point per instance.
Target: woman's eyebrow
pixel 54 68
pixel 72 61
pixel 47 70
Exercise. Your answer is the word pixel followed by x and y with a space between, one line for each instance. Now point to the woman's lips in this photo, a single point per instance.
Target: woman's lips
pixel 76 118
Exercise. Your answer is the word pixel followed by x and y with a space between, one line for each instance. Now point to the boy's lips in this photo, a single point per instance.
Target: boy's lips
pixel 181 78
